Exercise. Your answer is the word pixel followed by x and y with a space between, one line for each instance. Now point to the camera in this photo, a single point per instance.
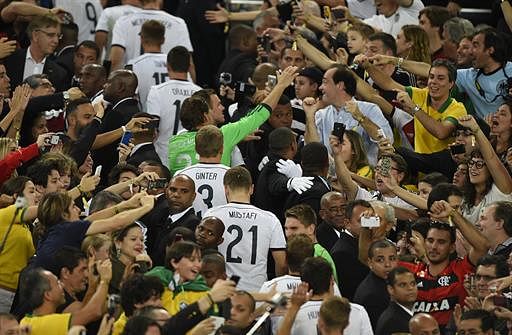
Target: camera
pixel 338 13
pixel 158 183
pixel 370 222
pixel 271 81
pixel 152 124
pixel 225 78
pixel 243 89
pixel 113 301
pixel 235 278
pixel 264 41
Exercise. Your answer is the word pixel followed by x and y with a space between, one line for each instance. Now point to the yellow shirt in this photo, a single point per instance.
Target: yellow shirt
pixel 365 171
pixel 451 110
pixel 18 247
pixel 175 303
pixel 119 325
pixel 54 324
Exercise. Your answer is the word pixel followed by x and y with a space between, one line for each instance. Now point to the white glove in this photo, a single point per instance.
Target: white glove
pixel 289 168
pixel 263 162
pixel 300 184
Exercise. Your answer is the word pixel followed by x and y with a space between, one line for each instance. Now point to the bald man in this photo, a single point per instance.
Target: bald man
pixel 209 232
pixel 423 324
pixel 92 79
pixel 177 211
pixel 332 213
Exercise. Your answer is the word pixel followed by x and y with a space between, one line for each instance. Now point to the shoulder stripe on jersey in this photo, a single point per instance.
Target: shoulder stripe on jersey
pixel 118 45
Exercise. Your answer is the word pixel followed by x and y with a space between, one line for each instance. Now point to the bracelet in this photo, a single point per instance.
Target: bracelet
pixel 208 295
pixel 79 189
pixel 399 62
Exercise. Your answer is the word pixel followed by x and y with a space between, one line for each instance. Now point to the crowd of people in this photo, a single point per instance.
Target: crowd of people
pixel 310 167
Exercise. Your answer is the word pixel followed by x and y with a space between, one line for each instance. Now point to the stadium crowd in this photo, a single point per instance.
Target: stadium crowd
pixel 310 167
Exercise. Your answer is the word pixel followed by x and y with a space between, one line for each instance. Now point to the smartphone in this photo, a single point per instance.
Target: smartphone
pixel 54 140
pixel 327 13
pixel 338 13
pixel 158 183
pixel 385 166
pixel 113 301
pixel 501 301
pixel 271 81
pixel 339 130
pixel 97 172
pixel 152 124
pixel 370 222
pixel 127 136
pixel 235 278
pixel 457 149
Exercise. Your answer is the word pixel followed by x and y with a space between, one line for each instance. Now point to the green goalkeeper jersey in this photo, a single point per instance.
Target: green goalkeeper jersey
pixel 182 152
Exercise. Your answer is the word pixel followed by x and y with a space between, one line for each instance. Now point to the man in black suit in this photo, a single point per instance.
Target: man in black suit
pixel 372 293
pixel 119 91
pixel 315 163
pixel 44 33
pixel 345 252
pixel 177 211
pixel 332 213
pixel 403 291
pixel 92 79
pixel 144 149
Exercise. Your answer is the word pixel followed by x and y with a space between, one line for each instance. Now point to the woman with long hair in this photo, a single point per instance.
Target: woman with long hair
pixel 354 155
pixel 501 131
pixel 412 44
pixel 488 179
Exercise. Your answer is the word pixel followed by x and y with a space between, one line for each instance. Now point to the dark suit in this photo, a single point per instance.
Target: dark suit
pixel 351 271
pixel 15 66
pixel 311 197
pixel 373 295
pixel 394 319
pixel 115 117
pixel 160 225
pixel 146 152
pixel 326 235
pixel 65 59
pixel 271 188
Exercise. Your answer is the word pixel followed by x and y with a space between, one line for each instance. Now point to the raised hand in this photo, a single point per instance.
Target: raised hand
pixel 220 15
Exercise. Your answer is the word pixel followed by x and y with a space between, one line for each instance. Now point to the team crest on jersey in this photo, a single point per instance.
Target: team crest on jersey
pixel 444 281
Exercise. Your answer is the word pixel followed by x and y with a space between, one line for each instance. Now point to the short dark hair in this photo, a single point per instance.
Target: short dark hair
pixel 437 16
pixel 14 185
pixel 238 177
pixel 349 210
pixel 443 226
pixel 315 158
pixel 503 211
pixel 89 45
pixel 113 176
pixel 34 80
pixel 343 75
pixel 164 170
pixel 317 273
pixel 391 279
pixel 33 286
pixel 485 317
pixel 299 247
pixel 40 170
pixel 449 66
pixel 434 178
pixel 67 257
pixel 138 289
pixel 499 261
pixel 205 94
pixel 380 244
pixel 178 59
pixel 193 113
pixel 179 250
pixel 387 40
pixel 442 191
pixel 73 105
pixel 498 41
pixel 302 212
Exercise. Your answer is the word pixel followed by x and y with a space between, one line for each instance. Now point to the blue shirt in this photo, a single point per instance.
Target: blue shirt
pixel 486 91
pixel 326 117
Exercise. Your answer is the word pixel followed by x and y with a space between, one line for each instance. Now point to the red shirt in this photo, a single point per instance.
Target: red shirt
pixel 15 159
pixel 438 295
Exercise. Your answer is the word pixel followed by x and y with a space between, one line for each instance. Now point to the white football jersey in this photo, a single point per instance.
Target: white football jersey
pixel 109 17
pixel 86 14
pixel 127 29
pixel 307 318
pixel 249 235
pixel 209 180
pixel 285 284
pixel 150 69
pixel 165 101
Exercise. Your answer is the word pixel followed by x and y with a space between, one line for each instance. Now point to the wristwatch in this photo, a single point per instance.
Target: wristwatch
pixel 415 110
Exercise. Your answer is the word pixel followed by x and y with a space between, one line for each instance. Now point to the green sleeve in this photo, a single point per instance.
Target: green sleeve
pixel 408 89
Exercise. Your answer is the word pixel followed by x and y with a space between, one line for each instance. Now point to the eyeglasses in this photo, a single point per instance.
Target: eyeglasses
pixel 477 164
pixel 340 209
pixel 484 278
pixel 50 35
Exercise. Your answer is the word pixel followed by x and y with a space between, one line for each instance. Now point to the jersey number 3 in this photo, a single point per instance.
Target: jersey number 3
pixel 239 234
